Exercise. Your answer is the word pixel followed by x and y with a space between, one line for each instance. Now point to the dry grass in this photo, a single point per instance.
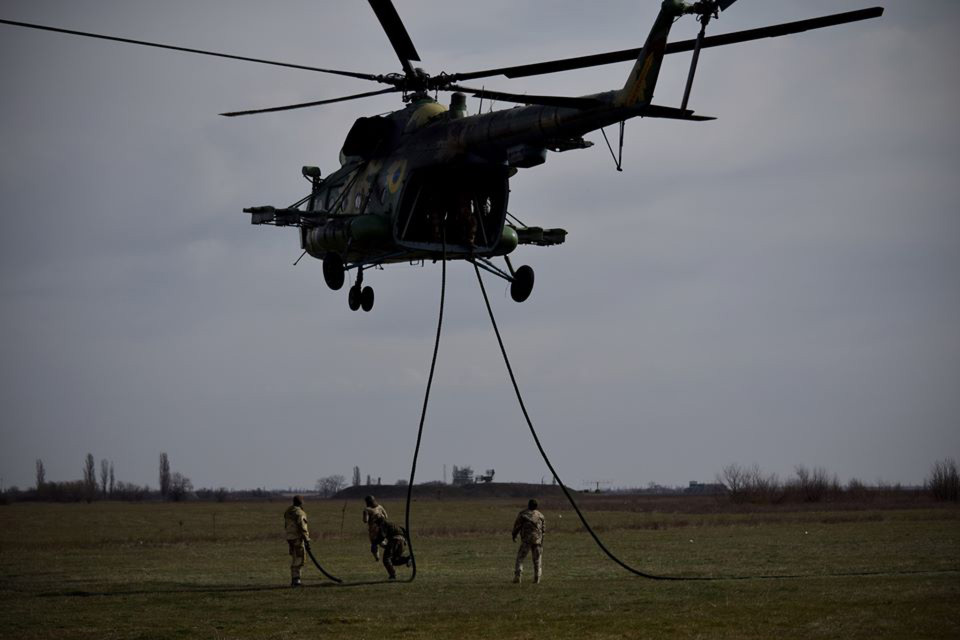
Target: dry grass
pixel 160 571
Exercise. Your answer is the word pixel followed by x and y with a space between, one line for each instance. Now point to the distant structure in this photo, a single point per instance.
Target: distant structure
pixel 485 477
pixel 462 475
pixel 598 483
pixel 705 489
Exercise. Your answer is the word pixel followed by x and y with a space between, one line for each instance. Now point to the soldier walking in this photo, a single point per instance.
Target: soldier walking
pixel 295 526
pixel 529 525
pixel 372 514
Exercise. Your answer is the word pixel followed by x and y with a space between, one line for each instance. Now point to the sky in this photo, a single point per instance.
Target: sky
pixel 777 287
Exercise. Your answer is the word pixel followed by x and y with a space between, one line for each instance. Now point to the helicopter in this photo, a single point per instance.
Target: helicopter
pixel 432 182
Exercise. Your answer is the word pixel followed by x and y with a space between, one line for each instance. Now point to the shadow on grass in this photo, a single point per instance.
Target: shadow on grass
pixel 223 589
pixel 79 593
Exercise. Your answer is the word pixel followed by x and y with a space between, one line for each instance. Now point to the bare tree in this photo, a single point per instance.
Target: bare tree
pixel 89 478
pixel 764 488
pixel 180 487
pixel 944 481
pixel 812 485
pixel 104 476
pixel 734 478
pixel 112 482
pixel 164 475
pixel 356 476
pixel 329 485
pixel 41 474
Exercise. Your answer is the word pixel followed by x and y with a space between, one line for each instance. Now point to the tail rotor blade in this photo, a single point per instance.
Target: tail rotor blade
pixel 693 65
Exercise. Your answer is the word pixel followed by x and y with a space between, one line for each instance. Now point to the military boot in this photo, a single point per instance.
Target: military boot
pixel 296 582
pixel 516 578
pixel 536 578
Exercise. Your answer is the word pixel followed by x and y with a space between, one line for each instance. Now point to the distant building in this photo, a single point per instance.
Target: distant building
pixel 462 475
pixel 485 477
pixel 705 489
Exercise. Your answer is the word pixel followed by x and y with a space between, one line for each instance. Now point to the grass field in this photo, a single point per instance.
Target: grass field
pixel 220 570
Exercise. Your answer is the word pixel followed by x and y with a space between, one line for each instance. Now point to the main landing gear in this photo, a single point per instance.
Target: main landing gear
pixel 361 297
pixel 334 274
pixel 522 284
pixel 521 279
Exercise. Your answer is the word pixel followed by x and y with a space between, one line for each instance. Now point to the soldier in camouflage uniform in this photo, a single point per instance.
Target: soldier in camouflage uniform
pixel 529 525
pixel 295 525
pixel 396 539
pixel 372 513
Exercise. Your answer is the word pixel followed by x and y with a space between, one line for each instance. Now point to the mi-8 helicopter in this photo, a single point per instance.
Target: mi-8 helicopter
pixel 431 182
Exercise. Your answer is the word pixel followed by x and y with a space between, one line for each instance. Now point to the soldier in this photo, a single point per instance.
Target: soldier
pixel 295 525
pixel 530 526
pixel 372 513
pixel 396 539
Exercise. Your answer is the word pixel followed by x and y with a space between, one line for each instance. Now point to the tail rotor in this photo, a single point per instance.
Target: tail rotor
pixel 706 10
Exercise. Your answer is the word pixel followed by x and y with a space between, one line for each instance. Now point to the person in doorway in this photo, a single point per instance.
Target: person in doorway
pixel 372 514
pixel 529 525
pixel 298 535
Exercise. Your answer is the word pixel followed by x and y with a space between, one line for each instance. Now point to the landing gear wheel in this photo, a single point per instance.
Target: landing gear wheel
pixel 333 271
pixel 366 298
pixel 522 284
pixel 353 298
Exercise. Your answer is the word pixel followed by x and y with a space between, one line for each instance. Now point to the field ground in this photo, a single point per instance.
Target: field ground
pixel 220 570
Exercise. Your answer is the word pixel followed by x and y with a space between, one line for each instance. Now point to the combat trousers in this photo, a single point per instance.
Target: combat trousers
pixel 525 548
pixel 393 555
pixel 296 559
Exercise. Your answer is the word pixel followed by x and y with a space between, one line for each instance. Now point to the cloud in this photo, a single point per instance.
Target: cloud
pixel 775 286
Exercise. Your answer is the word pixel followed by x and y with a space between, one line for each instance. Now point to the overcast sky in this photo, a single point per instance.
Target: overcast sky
pixel 779 286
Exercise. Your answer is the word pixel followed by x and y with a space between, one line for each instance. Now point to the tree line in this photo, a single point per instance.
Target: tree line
pixel 753 485
pixel 104 485
pixel 740 484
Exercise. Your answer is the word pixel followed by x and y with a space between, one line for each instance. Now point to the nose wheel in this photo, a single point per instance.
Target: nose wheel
pixel 360 297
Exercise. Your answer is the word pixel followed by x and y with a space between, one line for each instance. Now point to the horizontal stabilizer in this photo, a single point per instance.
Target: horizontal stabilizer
pixel 672 113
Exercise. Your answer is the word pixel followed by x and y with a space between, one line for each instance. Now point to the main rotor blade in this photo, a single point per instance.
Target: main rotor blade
pixel 725 4
pixel 399 38
pixel 548 101
pixel 598 59
pixel 317 103
pixel 351 74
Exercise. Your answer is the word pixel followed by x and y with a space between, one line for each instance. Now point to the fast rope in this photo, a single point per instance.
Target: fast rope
pixel 426 400
pixel 546 459
pixel 586 525
pixel 536 439
pixel 318 565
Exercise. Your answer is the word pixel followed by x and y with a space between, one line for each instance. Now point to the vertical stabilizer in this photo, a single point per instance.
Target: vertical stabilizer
pixel 638 91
